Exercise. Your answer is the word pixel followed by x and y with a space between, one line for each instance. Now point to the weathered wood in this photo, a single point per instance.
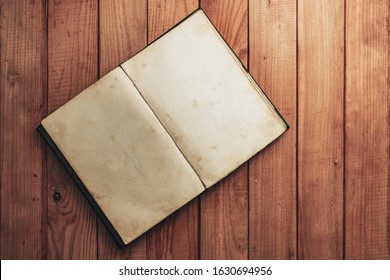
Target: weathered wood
pixel 122 31
pixel 224 211
pixel 177 236
pixel 272 173
pixel 23 104
pixel 55 47
pixel 367 128
pixel 122 34
pixel 72 66
pixel 320 129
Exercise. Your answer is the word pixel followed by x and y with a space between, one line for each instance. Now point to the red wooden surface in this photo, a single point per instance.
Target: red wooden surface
pixel 321 191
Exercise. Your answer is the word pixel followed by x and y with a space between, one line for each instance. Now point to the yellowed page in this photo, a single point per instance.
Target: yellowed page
pixel 123 155
pixel 204 98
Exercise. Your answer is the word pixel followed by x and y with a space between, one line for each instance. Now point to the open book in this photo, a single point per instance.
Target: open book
pixel 162 127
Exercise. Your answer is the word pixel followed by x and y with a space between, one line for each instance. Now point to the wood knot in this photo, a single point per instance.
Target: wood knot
pixel 12 77
pixel 57 196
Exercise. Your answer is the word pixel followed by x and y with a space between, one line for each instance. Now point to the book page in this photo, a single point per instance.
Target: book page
pixel 123 155
pixel 204 98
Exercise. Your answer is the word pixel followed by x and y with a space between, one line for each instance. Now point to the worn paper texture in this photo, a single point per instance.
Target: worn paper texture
pixel 204 98
pixel 124 157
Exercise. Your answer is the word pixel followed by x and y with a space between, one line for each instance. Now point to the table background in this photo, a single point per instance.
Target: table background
pixel 321 191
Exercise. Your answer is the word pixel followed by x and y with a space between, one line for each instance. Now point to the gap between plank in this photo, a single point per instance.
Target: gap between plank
pixel 98 76
pixel 344 130
pixel 249 161
pixel 296 132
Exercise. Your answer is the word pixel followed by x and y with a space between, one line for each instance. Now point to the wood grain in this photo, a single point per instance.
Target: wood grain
pixel 367 157
pixel 122 34
pixel 73 66
pixel 272 173
pixel 23 104
pixel 320 129
pixel 224 211
pixel 338 112
pixel 177 236
pixel 122 31
pixel 164 14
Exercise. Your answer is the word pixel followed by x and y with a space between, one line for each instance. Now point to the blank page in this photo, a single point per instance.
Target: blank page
pixel 202 95
pixel 122 154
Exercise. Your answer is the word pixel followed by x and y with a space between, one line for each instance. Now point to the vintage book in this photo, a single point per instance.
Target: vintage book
pixel 161 128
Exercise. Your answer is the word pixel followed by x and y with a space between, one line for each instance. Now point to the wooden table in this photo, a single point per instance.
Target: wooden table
pixel 319 192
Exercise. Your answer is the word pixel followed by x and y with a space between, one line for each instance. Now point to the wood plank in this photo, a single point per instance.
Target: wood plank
pixel 224 211
pixel 367 161
pixel 122 34
pixel 72 66
pixel 320 129
pixel 272 173
pixel 164 14
pixel 23 104
pixel 122 31
pixel 177 236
